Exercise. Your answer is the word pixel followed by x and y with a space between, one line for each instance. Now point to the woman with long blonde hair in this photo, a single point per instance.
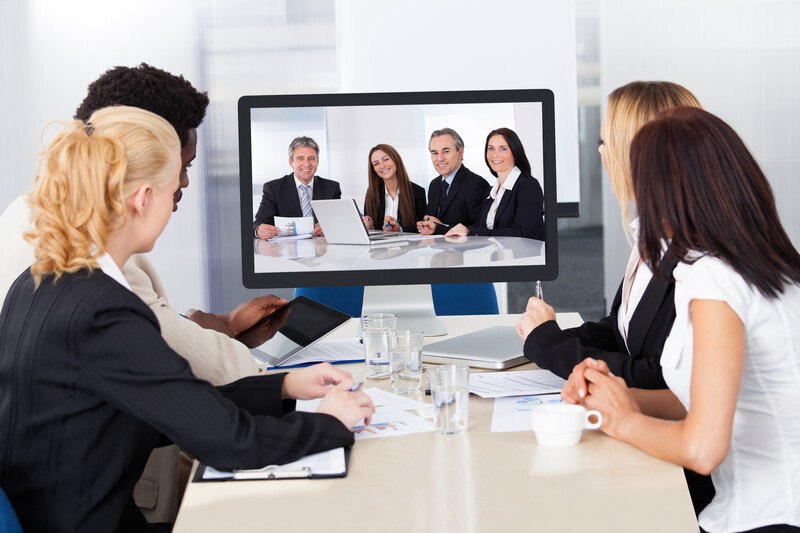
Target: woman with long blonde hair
pixel 88 387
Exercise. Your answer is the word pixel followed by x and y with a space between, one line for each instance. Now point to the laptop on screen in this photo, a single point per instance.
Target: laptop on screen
pixel 496 347
pixel 342 224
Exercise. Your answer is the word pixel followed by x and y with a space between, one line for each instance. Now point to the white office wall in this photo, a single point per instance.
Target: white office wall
pixel 424 45
pixel 741 59
pixel 51 50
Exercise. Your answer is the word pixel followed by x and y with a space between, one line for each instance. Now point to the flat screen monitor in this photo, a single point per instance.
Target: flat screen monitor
pixel 345 127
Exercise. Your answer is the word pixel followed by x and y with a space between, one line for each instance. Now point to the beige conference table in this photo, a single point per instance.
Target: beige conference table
pixel 476 482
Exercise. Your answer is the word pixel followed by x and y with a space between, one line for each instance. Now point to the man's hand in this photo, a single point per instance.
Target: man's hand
pixel 314 381
pixel 267 231
pixel 264 329
pixel 390 224
pixel 427 226
pixel 251 311
pixel 318 230
pixel 458 229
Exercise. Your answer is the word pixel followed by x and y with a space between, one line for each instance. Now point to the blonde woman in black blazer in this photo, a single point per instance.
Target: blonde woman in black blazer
pixel 88 387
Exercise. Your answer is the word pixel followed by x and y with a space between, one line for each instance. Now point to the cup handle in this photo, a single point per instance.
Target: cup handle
pixel 593 425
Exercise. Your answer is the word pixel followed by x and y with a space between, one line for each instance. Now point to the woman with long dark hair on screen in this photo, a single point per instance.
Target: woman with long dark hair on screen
pixel 515 206
pixel 732 358
pixel 88 386
pixel 392 199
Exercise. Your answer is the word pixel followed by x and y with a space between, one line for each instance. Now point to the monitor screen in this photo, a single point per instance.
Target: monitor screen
pixel 324 238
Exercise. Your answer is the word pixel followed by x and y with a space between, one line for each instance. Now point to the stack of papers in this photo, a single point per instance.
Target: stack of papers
pixel 325 464
pixel 334 351
pixel 517 383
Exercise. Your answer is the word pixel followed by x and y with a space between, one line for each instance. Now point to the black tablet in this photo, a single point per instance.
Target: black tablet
pixel 297 325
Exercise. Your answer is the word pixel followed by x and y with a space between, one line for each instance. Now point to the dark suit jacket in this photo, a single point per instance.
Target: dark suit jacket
pixel 407 225
pixel 464 199
pixel 520 213
pixel 280 198
pixel 559 351
pixel 88 387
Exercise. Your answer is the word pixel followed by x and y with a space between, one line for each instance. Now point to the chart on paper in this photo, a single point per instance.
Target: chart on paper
pixel 393 424
pixel 514 413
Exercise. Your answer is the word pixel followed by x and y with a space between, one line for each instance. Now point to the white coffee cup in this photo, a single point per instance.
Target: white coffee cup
pixel 561 424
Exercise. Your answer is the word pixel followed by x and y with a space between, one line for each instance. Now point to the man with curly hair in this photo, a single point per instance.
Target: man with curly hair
pixel 207 341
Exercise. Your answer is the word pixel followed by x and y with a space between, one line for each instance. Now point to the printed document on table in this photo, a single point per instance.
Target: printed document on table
pixel 514 413
pixel 515 383
pixel 294 227
pixel 332 351
pixel 393 424
pixel 385 403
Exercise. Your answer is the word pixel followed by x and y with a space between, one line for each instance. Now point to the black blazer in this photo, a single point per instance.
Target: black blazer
pixel 88 387
pixel 280 198
pixel 559 351
pixel 464 199
pixel 520 213
pixel 407 225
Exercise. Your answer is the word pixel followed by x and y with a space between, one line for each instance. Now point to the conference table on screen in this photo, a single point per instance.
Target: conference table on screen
pixel 435 251
pixel 479 481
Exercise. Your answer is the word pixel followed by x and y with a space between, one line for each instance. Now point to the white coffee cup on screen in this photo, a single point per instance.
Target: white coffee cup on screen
pixel 561 424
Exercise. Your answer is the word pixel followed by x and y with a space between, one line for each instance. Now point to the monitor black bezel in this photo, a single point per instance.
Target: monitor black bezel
pixel 261 280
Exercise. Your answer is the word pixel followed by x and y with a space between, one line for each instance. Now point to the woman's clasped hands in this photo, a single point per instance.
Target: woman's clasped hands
pixel 593 385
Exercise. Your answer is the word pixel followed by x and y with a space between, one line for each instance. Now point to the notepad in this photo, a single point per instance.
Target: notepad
pixel 328 464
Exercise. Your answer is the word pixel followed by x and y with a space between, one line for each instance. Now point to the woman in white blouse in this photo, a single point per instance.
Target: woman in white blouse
pixel 515 205
pixel 732 359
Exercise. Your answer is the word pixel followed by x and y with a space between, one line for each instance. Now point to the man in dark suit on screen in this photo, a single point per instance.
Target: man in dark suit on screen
pixel 291 195
pixel 456 195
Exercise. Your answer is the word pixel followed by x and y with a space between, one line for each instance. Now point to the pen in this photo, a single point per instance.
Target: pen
pixel 356 387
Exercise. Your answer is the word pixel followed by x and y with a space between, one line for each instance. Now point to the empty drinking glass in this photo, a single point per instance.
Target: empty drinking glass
pixel 378 334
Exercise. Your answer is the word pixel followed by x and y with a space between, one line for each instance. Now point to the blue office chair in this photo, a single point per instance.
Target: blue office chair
pixel 448 299
pixel 9 523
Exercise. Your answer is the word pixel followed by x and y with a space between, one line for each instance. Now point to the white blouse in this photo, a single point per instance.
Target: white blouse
pixel 641 276
pixel 758 483
pixel 496 193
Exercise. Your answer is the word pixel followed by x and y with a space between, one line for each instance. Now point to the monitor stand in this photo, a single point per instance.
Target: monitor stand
pixel 413 305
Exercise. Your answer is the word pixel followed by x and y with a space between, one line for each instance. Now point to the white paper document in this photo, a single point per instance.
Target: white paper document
pixel 515 383
pixel 294 227
pixel 385 403
pixel 330 463
pixel 393 424
pixel 514 413
pixel 333 351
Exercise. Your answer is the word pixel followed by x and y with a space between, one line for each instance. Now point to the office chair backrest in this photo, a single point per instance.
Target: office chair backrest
pixel 9 523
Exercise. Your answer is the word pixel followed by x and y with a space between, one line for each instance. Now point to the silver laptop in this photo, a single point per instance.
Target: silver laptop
pixel 496 347
pixel 342 224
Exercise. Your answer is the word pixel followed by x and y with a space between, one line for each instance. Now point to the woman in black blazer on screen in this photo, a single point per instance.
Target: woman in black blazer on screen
pixel 387 177
pixel 515 205
pixel 88 386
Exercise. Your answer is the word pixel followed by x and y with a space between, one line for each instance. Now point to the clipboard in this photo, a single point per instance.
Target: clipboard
pixel 324 465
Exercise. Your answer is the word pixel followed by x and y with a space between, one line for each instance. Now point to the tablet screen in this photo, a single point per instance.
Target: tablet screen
pixel 299 324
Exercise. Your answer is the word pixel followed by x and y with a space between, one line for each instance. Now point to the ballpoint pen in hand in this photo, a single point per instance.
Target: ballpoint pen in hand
pixel 538 291
pixel 356 387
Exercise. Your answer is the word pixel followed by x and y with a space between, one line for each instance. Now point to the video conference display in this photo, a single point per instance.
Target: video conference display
pixel 353 189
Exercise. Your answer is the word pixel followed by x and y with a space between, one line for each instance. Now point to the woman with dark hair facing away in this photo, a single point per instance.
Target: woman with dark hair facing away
pixel 392 199
pixel 732 358
pixel 88 386
pixel 515 206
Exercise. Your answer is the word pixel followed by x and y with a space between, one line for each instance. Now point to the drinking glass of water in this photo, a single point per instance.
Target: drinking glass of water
pixel 378 334
pixel 405 361
pixel 450 395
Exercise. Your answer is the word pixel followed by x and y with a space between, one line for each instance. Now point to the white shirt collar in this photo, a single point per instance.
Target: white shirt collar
pixel 298 183
pixel 511 179
pixel 110 269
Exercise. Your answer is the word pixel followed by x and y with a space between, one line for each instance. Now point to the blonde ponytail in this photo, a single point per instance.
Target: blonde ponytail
pixel 85 175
